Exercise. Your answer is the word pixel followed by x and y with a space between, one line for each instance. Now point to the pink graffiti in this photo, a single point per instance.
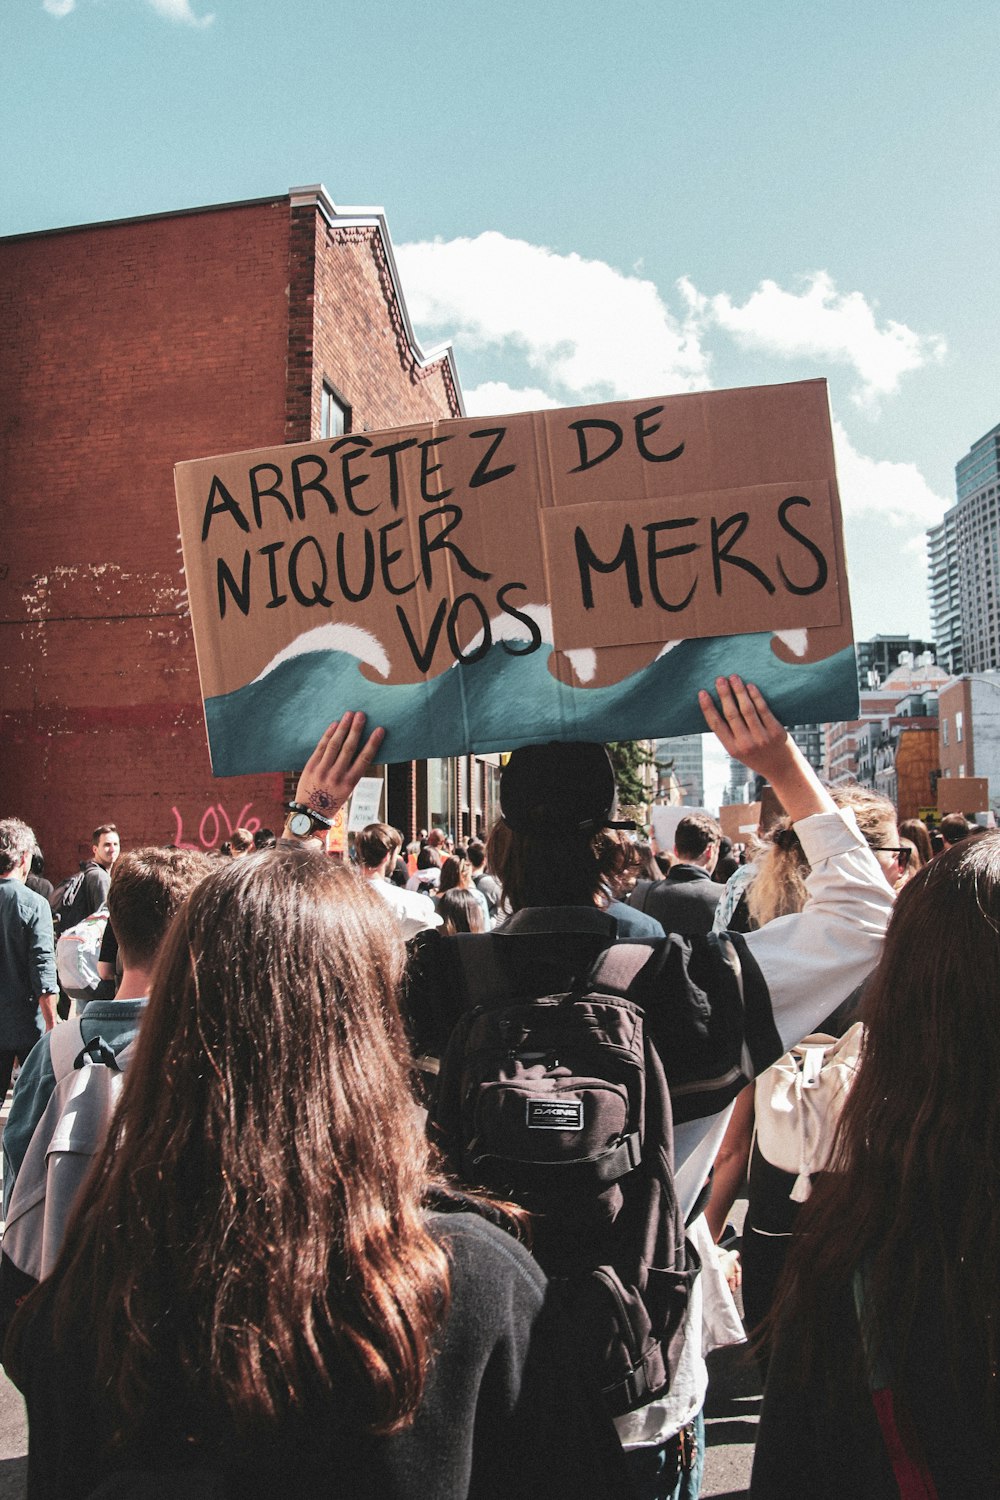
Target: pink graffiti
pixel 210 827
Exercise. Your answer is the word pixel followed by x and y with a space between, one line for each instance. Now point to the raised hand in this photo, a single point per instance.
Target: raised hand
pixel 337 764
pixel 747 730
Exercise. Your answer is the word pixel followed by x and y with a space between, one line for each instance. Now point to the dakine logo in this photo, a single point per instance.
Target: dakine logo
pixel 554 1114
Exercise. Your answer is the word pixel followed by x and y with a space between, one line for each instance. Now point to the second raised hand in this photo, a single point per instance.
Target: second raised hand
pixel 337 764
pixel 748 731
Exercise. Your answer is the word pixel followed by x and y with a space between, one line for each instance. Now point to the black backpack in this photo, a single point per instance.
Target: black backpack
pixel 68 902
pixel 559 1102
pixel 162 1484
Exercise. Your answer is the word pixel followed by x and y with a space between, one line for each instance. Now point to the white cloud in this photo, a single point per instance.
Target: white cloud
pixel 819 322
pixel 494 398
pixel 588 331
pixel 180 10
pixel 171 10
pixel 897 491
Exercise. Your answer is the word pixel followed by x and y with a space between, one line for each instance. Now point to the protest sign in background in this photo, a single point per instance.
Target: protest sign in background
pixel 480 584
pixel 664 821
pixel 963 794
pixel 366 803
pixel 740 821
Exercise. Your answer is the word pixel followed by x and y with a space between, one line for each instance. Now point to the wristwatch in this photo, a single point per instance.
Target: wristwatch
pixel 302 822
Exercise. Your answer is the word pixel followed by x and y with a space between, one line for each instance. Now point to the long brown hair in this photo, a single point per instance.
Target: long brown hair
pixel 911 1193
pixel 253 1231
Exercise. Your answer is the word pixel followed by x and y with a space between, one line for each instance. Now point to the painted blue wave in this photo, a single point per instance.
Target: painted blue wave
pixel 273 724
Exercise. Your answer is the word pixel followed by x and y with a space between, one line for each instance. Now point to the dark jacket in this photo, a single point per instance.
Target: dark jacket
pixel 684 902
pixel 504 1412
pixel 821 1437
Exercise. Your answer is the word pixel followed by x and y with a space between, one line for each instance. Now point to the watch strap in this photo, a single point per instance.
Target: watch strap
pixel 318 818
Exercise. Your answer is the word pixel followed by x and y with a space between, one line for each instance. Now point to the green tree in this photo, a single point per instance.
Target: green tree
pixel 629 758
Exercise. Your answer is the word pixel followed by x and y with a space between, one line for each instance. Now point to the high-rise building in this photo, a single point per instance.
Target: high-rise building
pixel 809 738
pixel 942 573
pixel 964 560
pixel 684 751
pixel 739 781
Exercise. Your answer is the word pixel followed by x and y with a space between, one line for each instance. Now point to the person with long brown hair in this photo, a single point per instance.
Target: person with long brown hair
pixel 456 875
pixel 887 1336
pixel 254 1286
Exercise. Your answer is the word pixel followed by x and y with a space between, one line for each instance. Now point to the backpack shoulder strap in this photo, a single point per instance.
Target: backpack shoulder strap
pixel 65 1045
pixel 639 896
pixel 618 967
pixel 483 975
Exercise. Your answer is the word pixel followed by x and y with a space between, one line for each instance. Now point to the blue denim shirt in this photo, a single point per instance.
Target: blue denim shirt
pixel 115 1021
pixel 27 962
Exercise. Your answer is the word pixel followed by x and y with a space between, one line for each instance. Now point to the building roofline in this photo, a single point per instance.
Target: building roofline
pixel 296 197
pixel 374 218
pixel 170 213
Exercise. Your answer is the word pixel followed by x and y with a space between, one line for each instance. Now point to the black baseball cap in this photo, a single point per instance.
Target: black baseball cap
pixel 559 788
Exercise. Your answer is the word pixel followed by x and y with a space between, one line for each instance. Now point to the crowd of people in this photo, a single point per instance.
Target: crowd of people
pixel 409 1189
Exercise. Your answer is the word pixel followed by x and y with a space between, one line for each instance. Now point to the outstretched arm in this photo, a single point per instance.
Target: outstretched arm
pixel 813 959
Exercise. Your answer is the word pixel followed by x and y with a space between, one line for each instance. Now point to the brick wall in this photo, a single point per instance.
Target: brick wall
pixel 359 341
pixel 127 348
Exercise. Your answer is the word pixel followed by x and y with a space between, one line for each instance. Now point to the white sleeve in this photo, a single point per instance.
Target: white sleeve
pixel 815 958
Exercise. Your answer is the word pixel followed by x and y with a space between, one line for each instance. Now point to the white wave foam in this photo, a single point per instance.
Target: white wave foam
pixel 584 662
pixel 506 627
pixel 350 640
pixel 797 641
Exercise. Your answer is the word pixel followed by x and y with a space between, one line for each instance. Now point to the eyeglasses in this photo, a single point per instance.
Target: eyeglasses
pixel 902 854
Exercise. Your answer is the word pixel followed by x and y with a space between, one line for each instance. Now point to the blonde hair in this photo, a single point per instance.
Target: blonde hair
pixel 779 887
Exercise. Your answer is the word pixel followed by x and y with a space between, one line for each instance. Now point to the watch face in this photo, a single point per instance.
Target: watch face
pixel 300 824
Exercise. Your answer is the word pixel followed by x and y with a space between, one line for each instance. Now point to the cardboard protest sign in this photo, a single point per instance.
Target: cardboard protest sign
pixel 740 820
pixel 480 584
pixel 366 803
pixel 336 838
pixel 963 794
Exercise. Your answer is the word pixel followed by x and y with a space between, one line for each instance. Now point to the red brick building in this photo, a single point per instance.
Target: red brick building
pixel 127 347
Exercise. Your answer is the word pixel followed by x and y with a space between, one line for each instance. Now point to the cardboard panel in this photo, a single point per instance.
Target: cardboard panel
pixel 963 794
pixel 637 571
pixel 740 820
pixel 431 576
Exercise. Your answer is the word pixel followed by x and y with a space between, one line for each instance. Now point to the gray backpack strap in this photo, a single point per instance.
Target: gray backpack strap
pixel 618 967
pixel 65 1045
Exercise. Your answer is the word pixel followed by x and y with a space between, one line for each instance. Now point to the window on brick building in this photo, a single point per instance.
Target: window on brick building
pixel 944 731
pixel 335 414
pixel 958 728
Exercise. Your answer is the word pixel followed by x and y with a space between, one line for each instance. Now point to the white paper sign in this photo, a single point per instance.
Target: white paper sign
pixel 665 821
pixel 366 803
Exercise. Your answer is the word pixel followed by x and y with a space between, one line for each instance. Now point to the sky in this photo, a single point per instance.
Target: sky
pixel 592 201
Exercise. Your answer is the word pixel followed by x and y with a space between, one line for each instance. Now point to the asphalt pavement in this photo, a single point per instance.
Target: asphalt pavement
pixel 732 1409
